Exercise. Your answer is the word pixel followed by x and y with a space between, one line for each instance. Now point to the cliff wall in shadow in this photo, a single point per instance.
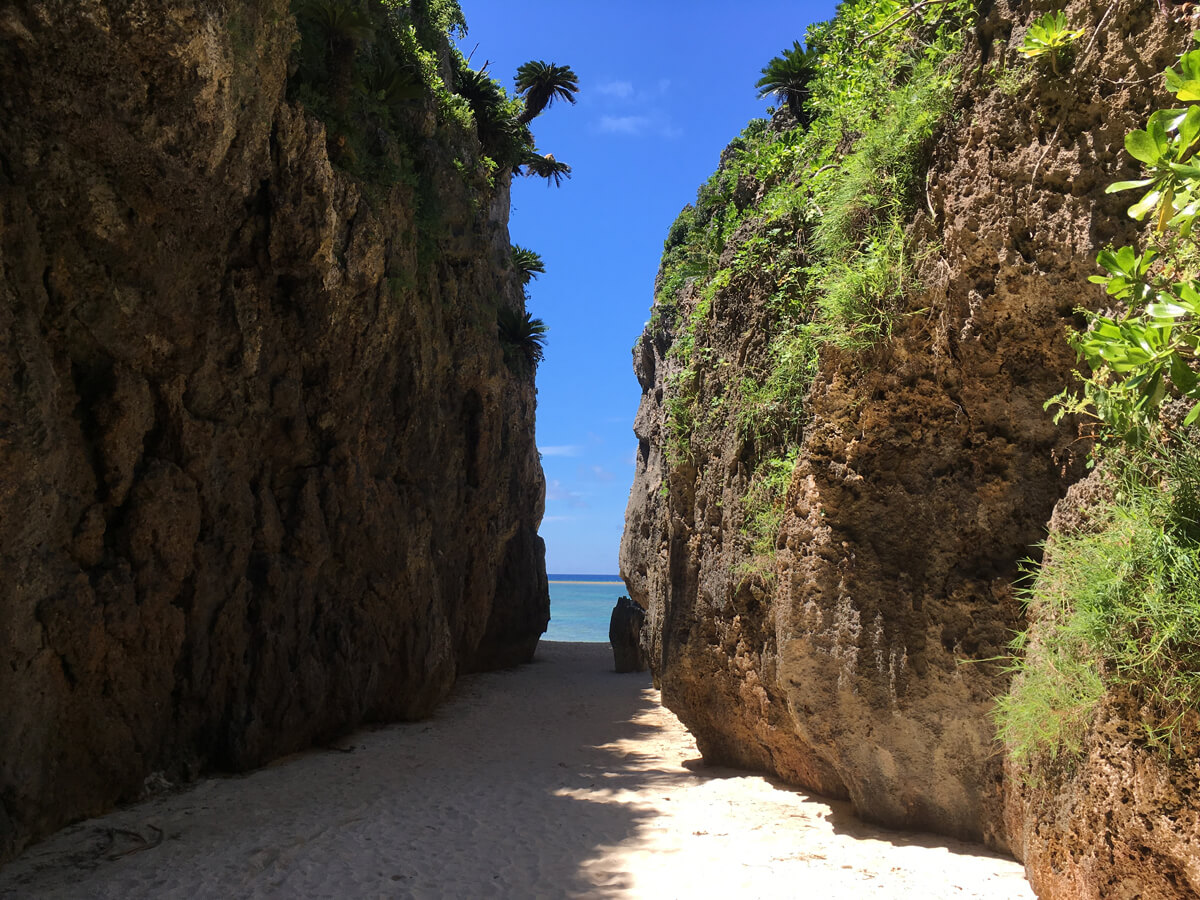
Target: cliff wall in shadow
pixel 264 472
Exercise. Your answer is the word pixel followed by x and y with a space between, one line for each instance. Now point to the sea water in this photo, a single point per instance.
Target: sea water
pixel 580 606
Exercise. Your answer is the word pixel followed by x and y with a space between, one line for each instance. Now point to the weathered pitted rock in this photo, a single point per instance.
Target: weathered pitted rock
pixel 1122 820
pixel 1123 823
pixel 928 469
pixel 625 636
pixel 264 475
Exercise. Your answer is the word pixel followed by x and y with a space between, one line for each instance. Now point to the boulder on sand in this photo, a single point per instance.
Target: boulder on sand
pixel 625 635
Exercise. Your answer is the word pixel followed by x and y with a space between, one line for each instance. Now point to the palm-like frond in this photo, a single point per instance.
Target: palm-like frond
pixel 338 20
pixel 501 132
pixel 478 87
pixel 390 83
pixel 546 167
pixel 541 83
pixel 522 334
pixel 788 76
pixel 528 264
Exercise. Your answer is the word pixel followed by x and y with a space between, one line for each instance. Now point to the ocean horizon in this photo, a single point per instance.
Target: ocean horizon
pixel 581 605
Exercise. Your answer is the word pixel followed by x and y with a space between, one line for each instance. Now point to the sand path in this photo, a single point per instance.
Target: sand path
pixel 558 779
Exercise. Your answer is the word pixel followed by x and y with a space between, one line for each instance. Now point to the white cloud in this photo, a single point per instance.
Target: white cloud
pixel 556 491
pixel 596 473
pixel 636 126
pixel 624 124
pixel 561 450
pixel 637 110
pixel 546 519
pixel 622 90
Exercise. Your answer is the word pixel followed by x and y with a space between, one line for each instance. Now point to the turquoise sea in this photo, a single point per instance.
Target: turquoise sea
pixel 580 606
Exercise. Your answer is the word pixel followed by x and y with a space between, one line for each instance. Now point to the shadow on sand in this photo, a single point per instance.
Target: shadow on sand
pixel 541 781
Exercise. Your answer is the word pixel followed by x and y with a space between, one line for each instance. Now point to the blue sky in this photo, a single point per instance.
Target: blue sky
pixel 663 88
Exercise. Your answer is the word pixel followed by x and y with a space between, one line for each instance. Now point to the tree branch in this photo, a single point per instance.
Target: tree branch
pixel 916 7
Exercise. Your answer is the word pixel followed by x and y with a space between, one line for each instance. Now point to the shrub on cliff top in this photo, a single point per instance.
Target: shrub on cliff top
pixel 788 76
pixel 819 215
pixel 360 67
pixel 365 66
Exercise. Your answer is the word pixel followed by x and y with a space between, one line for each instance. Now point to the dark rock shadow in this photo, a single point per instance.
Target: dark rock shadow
pixel 522 778
pixel 528 782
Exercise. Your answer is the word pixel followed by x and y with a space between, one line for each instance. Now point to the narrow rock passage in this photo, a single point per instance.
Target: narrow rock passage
pixel 558 779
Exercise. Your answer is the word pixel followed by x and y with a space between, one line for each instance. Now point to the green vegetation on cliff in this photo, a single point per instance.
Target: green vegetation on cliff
pixel 1117 601
pixel 1118 604
pixel 386 79
pixel 365 68
pixel 806 216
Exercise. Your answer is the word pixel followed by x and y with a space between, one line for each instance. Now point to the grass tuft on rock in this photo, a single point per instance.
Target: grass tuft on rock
pixel 1117 604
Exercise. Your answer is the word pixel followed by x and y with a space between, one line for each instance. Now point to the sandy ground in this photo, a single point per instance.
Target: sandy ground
pixel 558 779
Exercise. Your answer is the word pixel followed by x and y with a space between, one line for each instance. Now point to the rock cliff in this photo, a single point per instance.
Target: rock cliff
pixel 855 651
pixel 1120 818
pixel 264 472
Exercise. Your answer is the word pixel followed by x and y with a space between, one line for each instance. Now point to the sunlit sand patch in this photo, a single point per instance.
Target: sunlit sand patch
pixel 558 779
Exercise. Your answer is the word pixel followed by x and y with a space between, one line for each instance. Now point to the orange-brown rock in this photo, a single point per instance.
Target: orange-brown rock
pixel 264 475
pixel 864 664
pixel 1121 818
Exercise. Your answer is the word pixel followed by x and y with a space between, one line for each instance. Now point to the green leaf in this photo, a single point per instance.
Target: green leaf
pixel 1167 311
pixel 1186 171
pixel 1143 147
pixel 1126 185
pixel 1170 119
pixel 1143 206
pixel 1189 128
pixel 1186 217
pixel 1188 292
pixel 1188 76
pixel 1157 127
pixel 1105 328
pixel 1110 261
pixel 1181 375
pixel 1193 415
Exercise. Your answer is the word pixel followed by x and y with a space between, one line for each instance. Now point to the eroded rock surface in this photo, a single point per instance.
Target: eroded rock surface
pixel 1121 818
pixel 625 636
pixel 928 469
pixel 264 475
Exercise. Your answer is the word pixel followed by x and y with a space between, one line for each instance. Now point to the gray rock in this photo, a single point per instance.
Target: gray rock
pixel 625 635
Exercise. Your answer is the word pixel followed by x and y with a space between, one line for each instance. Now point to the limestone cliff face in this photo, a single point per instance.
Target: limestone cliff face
pixel 859 665
pixel 1122 819
pixel 264 474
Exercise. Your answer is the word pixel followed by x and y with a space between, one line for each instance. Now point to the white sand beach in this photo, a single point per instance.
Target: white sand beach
pixel 557 779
